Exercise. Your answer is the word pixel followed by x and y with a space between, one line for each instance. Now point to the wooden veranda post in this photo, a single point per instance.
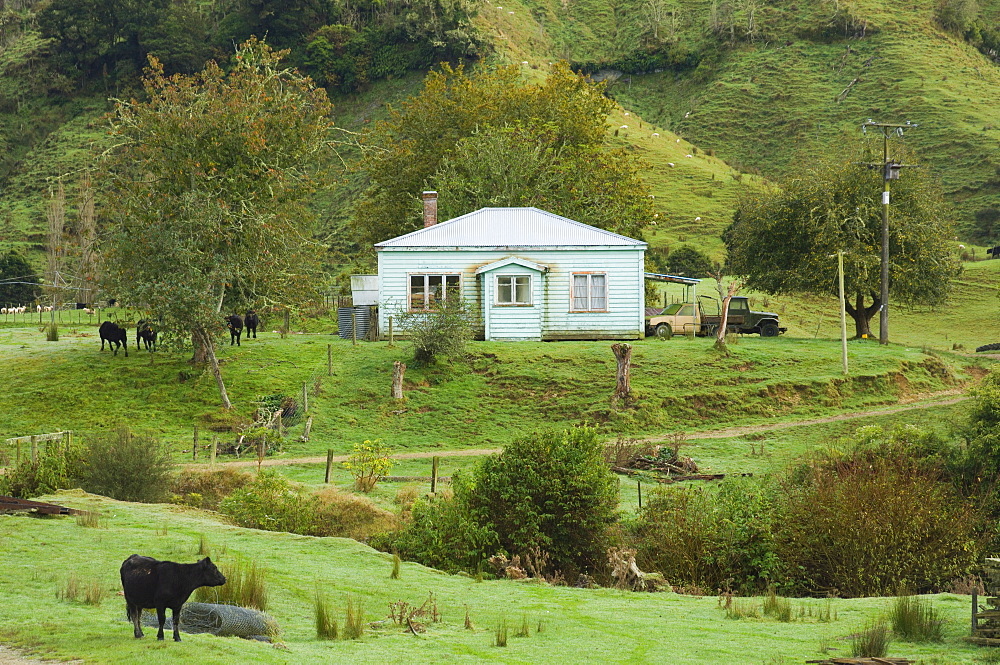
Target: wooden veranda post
pixel 398 369
pixel 623 354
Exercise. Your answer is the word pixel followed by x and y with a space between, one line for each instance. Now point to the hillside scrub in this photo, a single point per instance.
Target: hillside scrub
pixel 550 492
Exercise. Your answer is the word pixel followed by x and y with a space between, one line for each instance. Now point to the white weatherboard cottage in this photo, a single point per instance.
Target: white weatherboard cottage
pixel 534 275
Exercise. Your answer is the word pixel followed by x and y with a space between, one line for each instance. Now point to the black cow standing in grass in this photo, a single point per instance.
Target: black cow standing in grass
pixel 144 332
pixel 149 583
pixel 235 323
pixel 251 321
pixel 115 335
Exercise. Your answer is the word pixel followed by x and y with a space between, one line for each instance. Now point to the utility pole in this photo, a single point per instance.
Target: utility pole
pixel 890 171
pixel 843 310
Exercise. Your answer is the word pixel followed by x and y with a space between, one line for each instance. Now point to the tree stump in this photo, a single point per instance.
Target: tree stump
pixel 623 354
pixel 398 369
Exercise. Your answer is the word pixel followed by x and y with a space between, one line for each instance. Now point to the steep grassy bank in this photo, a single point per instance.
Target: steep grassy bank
pixel 498 391
pixel 578 625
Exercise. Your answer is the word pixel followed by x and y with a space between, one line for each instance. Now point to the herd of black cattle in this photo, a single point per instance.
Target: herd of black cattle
pixel 145 332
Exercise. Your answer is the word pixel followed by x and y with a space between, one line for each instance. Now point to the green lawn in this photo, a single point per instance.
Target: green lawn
pixel 579 625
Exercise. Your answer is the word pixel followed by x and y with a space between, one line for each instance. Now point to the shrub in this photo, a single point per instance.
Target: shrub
pixel 207 489
pixel 53 469
pixel 443 332
pixel 865 523
pixel 551 491
pixel 274 503
pixel 714 539
pixel 689 262
pixel 126 466
pixel 369 463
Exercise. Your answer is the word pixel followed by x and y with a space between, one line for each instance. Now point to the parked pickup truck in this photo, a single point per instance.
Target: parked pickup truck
pixel 703 318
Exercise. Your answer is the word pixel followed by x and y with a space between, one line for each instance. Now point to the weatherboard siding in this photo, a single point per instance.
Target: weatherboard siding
pixel 622 265
pixel 513 322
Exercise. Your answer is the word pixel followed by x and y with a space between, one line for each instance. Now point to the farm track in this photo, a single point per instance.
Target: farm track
pixel 942 398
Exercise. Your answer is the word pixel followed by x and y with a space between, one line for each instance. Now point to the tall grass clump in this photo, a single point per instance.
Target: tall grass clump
pixel 354 621
pixel 88 519
pixel 326 623
pixel 915 620
pixel 90 592
pixel 777 607
pixel 871 642
pixel 245 586
pixel 207 489
pixel 396 562
pixel 126 466
pixel 52 333
pixel 500 634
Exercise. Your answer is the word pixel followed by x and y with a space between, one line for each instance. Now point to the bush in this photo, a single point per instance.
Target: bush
pixel 689 262
pixel 710 539
pixel 274 503
pixel 443 332
pixel 369 463
pixel 126 466
pixel 869 522
pixel 54 469
pixel 549 491
pixel 207 489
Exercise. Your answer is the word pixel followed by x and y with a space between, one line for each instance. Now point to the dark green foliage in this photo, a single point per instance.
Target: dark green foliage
pixel 440 333
pixel 986 228
pixel 644 60
pixel 550 491
pixel 958 16
pixel 711 540
pixel 18 281
pixel 689 262
pixel 207 489
pixel 781 240
pixel 126 466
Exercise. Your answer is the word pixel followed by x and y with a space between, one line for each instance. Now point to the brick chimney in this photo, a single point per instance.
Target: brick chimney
pixel 430 208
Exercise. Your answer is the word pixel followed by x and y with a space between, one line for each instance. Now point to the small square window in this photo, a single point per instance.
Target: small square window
pixel 427 290
pixel 513 289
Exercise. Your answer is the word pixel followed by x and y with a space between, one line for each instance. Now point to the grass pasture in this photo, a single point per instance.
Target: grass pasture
pixel 499 390
pixel 579 625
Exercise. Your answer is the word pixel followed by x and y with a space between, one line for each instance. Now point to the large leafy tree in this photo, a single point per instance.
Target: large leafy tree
pixel 206 193
pixel 18 280
pixel 493 139
pixel 781 239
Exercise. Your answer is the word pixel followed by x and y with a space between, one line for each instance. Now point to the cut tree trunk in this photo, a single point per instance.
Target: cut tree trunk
pixel 398 369
pixel 862 315
pixel 623 354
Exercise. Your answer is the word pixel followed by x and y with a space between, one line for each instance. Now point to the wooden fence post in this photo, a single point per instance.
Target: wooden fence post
pixel 329 359
pixel 638 485
pixel 390 331
pixel 305 397
pixel 194 445
pixel 434 474
pixel 215 448
pixel 354 327
pixel 17 458
pixel 329 464
pixel 34 449
pixel 305 433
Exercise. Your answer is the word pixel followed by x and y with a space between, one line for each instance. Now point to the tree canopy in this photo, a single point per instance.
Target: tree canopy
pixel 206 191
pixel 18 280
pixel 782 239
pixel 492 139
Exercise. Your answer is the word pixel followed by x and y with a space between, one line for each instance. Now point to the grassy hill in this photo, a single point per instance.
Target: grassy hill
pixel 565 624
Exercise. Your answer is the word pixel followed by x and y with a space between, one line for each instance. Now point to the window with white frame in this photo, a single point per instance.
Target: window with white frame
pixel 513 289
pixel 590 292
pixel 427 290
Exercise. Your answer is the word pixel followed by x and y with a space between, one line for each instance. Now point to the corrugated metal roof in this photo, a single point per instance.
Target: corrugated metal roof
pixel 510 227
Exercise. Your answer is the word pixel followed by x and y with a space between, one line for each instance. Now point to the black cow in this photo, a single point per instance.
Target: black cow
pixel 251 321
pixel 144 332
pixel 115 335
pixel 149 583
pixel 235 323
pixel 994 251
